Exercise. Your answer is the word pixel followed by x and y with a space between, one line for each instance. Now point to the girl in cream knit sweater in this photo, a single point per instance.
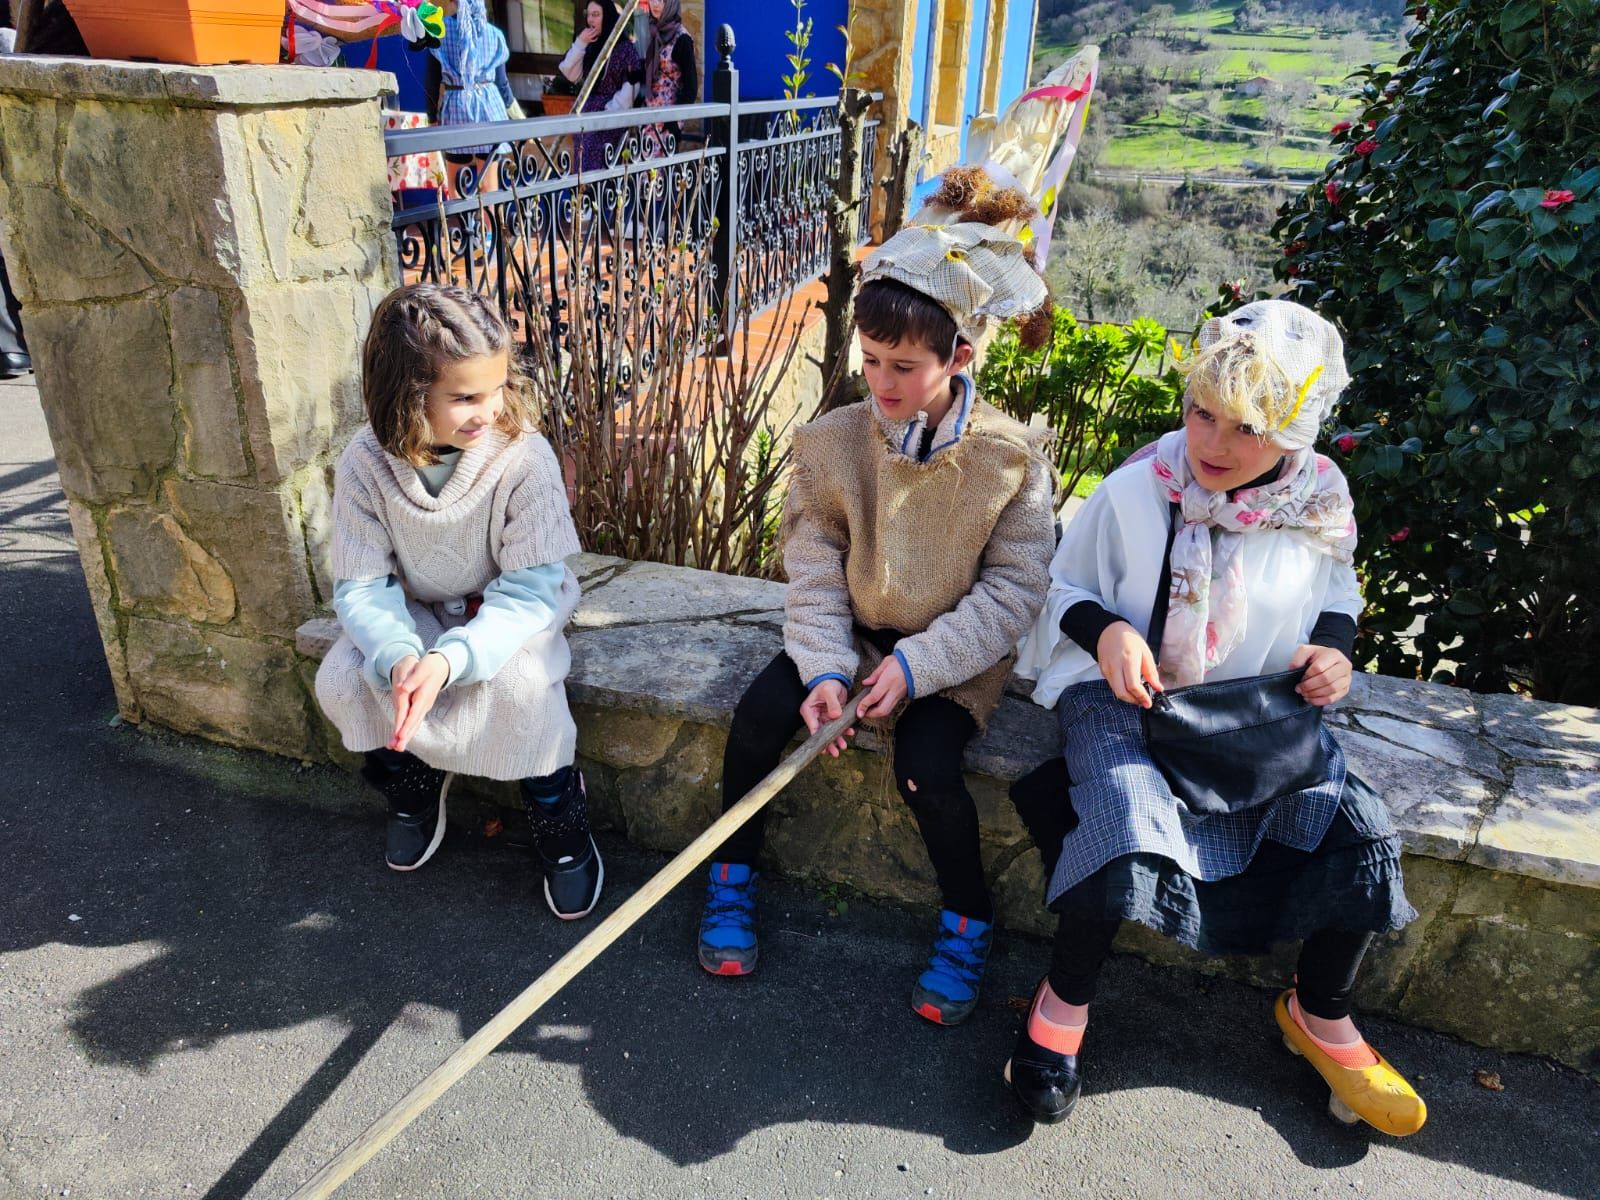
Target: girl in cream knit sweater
pixel 450 530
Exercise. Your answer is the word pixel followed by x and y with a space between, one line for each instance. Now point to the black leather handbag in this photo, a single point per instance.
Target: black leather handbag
pixel 1230 745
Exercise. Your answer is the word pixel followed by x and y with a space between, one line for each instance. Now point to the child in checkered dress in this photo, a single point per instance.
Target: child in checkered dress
pixel 1259 580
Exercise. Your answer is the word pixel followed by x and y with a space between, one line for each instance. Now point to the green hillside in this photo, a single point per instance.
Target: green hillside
pixel 1234 88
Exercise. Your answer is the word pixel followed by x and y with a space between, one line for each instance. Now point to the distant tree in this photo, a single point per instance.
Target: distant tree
pixel 1250 16
pixel 1142 55
pixel 1096 247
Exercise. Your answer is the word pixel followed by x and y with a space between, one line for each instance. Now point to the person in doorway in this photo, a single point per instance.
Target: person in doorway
pixel 617 88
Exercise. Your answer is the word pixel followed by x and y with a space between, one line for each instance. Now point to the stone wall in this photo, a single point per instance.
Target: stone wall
pixel 1497 801
pixel 198 252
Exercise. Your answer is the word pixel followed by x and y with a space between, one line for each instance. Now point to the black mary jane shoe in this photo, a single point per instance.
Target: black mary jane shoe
pixel 1044 1082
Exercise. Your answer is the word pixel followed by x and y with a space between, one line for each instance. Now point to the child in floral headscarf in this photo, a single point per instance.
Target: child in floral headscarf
pixel 1259 580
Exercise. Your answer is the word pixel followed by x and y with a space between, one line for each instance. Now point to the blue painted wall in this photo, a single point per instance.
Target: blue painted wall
pixel 409 67
pixel 1015 65
pixel 917 109
pixel 759 28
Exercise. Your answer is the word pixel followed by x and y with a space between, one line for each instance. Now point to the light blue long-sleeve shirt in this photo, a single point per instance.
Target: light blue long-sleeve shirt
pixel 516 606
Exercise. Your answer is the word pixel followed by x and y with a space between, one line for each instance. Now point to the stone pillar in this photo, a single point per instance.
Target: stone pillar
pixel 198 252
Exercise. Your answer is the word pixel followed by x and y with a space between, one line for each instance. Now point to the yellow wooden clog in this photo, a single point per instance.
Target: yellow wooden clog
pixel 1378 1095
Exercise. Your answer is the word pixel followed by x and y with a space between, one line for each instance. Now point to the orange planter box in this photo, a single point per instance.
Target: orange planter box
pixel 195 32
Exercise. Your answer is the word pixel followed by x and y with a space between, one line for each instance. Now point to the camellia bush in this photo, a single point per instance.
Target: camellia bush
pixel 1455 239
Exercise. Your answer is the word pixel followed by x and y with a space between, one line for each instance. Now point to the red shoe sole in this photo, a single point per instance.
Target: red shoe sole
pixel 725 968
pixel 931 1013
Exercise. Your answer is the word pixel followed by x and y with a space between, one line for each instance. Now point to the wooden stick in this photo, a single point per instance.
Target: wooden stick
pixel 504 1023
pixel 605 54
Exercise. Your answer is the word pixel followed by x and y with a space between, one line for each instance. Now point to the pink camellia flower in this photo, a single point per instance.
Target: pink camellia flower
pixel 1341 127
pixel 1331 191
pixel 1366 146
pixel 1346 442
pixel 1401 534
pixel 1556 198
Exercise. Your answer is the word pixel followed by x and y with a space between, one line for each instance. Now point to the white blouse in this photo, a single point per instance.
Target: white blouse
pixel 1111 553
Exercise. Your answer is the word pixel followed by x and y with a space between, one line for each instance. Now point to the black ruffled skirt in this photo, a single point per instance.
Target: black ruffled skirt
pixel 1351 880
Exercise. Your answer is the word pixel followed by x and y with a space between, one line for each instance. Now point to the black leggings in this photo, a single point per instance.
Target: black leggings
pixel 929 740
pixel 1324 978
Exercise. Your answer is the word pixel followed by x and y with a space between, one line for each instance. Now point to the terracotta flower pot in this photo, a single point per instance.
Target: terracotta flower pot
pixel 196 32
pixel 556 106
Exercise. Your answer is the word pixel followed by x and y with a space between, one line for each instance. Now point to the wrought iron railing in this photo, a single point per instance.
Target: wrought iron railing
pixel 615 213
pixel 527 224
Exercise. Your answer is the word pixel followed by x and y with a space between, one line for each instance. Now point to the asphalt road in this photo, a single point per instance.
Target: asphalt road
pixel 209 985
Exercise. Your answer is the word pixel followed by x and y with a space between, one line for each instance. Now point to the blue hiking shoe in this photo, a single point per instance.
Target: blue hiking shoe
pixel 728 925
pixel 947 992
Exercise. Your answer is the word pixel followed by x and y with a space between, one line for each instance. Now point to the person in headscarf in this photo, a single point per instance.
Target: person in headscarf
pixel 671 72
pixel 14 359
pixel 470 56
pixel 1258 579
pixel 616 90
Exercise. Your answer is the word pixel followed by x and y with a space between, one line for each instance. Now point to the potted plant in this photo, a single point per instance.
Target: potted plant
pixel 196 32
pixel 558 97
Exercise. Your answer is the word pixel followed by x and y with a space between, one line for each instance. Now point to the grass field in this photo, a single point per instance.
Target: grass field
pixel 1205 125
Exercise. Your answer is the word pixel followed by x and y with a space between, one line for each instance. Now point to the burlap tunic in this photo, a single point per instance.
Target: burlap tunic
pixel 953 551
pixel 503 509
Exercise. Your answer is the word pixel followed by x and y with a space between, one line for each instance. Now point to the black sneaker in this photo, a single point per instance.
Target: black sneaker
pixel 566 852
pixel 416 795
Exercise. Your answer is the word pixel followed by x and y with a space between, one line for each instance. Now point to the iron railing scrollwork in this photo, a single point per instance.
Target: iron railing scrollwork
pixel 611 216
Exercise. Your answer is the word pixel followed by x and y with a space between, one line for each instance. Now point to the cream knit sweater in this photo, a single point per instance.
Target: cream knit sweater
pixel 504 508
pixel 954 551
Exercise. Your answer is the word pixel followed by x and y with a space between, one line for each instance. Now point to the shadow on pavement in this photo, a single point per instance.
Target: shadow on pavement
pixel 260 887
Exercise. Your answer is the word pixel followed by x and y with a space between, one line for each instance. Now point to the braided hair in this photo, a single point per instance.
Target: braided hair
pixel 416 331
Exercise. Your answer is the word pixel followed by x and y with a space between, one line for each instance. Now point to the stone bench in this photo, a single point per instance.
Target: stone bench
pixel 1497 800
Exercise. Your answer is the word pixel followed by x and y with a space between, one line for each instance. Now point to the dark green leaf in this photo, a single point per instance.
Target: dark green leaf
pixel 1488 202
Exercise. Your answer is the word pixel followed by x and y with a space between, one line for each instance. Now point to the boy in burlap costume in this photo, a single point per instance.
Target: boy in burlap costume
pixel 916 536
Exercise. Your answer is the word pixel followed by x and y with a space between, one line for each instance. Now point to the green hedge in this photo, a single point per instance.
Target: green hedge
pixel 1456 240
